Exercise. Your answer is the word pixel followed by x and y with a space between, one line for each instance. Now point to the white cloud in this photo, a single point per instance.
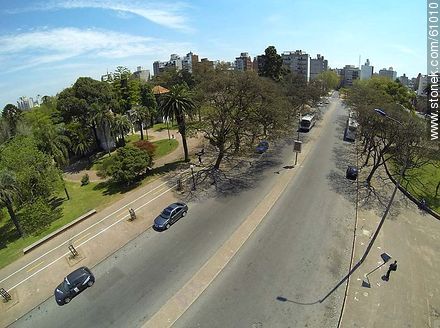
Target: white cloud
pixel 30 49
pixel 165 14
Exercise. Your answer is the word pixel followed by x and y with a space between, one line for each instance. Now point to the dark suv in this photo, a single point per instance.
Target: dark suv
pixel 75 283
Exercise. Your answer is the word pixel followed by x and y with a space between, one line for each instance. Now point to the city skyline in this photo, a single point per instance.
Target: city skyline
pixel 46 46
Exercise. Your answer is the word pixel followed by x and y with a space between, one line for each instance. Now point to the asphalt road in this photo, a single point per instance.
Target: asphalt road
pixel 296 256
pixel 299 252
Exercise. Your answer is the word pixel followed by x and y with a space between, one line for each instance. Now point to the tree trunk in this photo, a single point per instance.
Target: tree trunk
pixel 182 131
pixel 95 133
pixel 237 143
pixel 142 130
pixel 219 159
pixel 14 219
pixel 67 193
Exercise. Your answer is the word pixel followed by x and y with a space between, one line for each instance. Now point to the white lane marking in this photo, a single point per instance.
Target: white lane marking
pixel 105 218
pixel 102 231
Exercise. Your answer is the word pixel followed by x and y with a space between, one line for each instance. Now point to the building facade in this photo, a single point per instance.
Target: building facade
pixel 297 62
pixel 189 61
pixel 175 63
pixel 349 74
pixel 317 66
pixel 142 74
pixel 366 71
pixel 243 63
pixel 388 73
pixel 25 103
pixel 404 80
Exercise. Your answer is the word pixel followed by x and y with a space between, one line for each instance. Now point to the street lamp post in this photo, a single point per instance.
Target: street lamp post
pixel 194 180
pixel 398 181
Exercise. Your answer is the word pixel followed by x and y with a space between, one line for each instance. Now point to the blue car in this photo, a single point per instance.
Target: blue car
pixel 170 215
pixel 262 147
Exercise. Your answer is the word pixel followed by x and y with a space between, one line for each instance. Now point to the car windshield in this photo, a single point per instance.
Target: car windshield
pixel 305 123
pixel 166 212
pixel 65 285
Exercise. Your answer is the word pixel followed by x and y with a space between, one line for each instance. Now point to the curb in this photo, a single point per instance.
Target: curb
pixel 57 232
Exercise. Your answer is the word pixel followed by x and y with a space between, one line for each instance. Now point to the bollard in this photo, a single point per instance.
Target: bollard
pixel 179 184
pixel 6 296
pixel 132 214
pixel 73 251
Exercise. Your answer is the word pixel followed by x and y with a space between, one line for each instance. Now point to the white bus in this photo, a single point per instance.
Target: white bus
pixel 350 129
pixel 307 122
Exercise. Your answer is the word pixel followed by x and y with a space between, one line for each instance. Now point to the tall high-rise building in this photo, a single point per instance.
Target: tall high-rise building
pixel 404 80
pixel 244 62
pixel 189 61
pixel 298 62
pixel 175 62
pixel 366 71
pixel 317 66
pixel 25 103
pixel 389 73
pixel 348 74
pixel 142 74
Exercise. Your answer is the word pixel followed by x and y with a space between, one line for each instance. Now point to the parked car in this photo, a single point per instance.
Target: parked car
pixel 170 215
pixel 74 284
pixel 352 173
pixel 262 147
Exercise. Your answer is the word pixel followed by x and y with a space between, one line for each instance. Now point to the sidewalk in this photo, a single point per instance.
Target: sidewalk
pixel 411 297
pixel 31 279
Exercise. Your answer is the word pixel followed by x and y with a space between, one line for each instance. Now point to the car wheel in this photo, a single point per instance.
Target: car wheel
pixel 184 213
pixel 66 300
pixel 90 283
pixel 168 226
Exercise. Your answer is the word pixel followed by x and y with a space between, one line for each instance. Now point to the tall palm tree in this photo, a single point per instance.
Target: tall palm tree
pixel 121 127
pixel 178 103
pixel 141 115
pixel 8 193
pixel 103 117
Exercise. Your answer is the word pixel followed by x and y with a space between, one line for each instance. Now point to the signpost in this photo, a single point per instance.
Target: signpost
pixel 297 146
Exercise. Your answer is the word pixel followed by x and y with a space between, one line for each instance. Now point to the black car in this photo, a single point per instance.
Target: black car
pixel 352 173
pixel 75 283
pixel 262 147
pixel 170 215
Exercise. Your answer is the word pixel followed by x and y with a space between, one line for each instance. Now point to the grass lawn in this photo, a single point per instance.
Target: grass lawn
pixel 82 199
pixel 164 147
pixel 163 126
pixel 424 186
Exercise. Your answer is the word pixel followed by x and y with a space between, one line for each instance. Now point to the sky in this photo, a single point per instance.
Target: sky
pixel 46 45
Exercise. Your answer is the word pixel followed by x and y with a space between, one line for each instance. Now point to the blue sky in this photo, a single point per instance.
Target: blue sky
pixel 46 45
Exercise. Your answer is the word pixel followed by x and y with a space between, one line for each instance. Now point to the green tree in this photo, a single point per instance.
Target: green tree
pixel 126 166
pixel 35 217
pixel 330 80
pixel 272 64
pixel 178 103
pixel 8 195
pixel 12 114
pixel 148 100
pixel 35 175
pixel 122 126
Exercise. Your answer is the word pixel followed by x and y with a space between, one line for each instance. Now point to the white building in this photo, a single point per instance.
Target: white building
pixel 366 71
pixel 243 63
pixel 25 103
pixel 189 61
pixel 298 62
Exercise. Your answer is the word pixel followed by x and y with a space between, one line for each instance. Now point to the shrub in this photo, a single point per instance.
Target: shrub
pixel 85 180
pixel 146 146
